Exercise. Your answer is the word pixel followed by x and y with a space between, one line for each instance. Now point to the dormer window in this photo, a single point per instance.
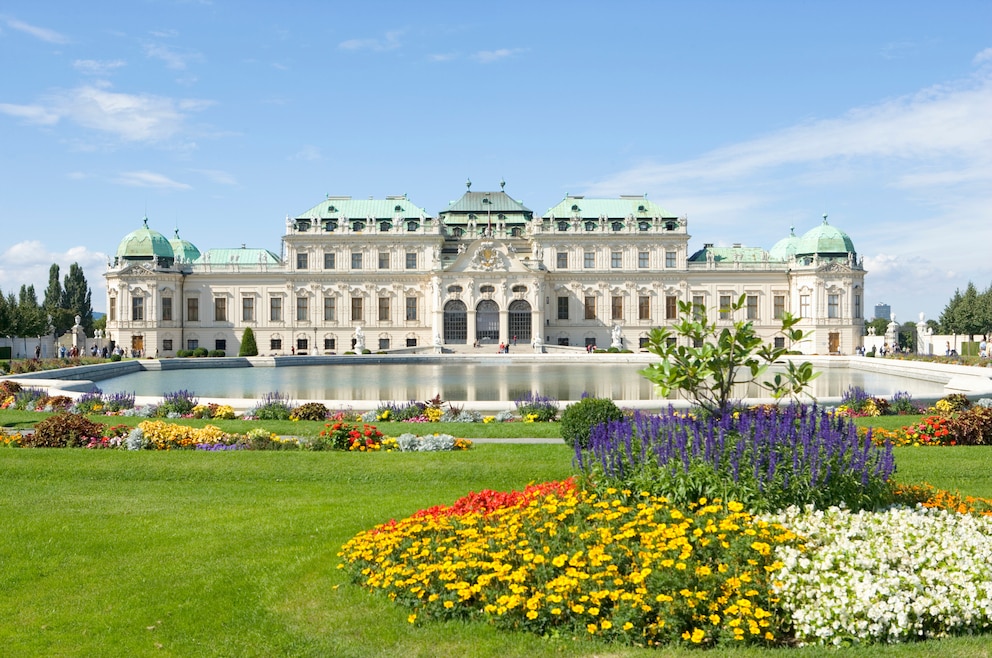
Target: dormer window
pixel 641 209
pixel 458 232
pixel 331 209
pixel 617 226
pixel 562 226
pixel 590 226
pixel 643 226
pixel 385 226
pixel 575 208
pixel 398 209
pixel 516 232
pixel 412 226
pixel 671 226
pixel 358 226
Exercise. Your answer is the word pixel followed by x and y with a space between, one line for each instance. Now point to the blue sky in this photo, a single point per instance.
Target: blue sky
pixel 221 117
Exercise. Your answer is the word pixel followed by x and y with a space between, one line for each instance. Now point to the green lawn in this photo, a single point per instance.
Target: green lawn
pixel 111 553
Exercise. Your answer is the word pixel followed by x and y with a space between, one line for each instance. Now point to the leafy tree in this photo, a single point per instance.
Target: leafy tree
pixel 907 336
pixel 77 297
pixel 248 346
pixel 100 323
pixel 703 361
pixel 30 319
pixel 880 325
pixel 60 317
pixel 948 317
pixel 8 309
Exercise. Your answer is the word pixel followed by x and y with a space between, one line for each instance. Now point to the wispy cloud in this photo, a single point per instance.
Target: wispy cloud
pixel 983 57
pixel 489 56
pixel 172 58
pixel 42 33
pixel 442 57
pixel 97 67
pixel 217 176
pixel 130 117
pixel 389 41
pixel 149 179
pixel 308 152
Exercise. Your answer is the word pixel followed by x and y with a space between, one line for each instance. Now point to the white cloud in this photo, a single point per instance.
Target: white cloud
pixel 172 58
pixel 97 67
pixel 308 152
pixel 442 57
pixel 149 179
pixel 42 33
pixel 31 113
pixel 389 41
pixel 982 57
pixel 28 262
pixel 489 56
pixel 217 176
pixel 131 117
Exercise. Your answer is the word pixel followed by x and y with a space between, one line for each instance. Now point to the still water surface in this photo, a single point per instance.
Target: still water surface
pixel 482 382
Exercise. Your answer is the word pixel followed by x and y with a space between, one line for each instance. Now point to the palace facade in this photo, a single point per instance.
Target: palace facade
pixel 385 274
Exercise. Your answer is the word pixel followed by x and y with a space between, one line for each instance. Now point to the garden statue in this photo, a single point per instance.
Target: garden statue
pixel 359 339
pixel 617 337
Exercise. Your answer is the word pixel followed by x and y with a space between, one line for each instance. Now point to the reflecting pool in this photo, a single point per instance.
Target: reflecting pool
pixel 463 381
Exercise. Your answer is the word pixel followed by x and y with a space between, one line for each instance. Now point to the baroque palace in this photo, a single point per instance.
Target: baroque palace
pixel 386 275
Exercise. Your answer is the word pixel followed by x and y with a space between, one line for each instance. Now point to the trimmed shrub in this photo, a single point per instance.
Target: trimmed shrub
pixel 115 357
pixel 217 353
pixel 65 430
pixel 578 419
pixel 248 346
pixel 309 411
pixel 200 352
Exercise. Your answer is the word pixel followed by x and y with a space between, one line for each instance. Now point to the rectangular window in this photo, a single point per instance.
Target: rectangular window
pixel 383 343
pixel 329 260
pixel 220 309
pixel 384 309
pixel 247 309
pixel 356 309
pixel 356 260
pixel 616 259
pixel 329 344
pixel 411 342
pixel 220 344
pixel 670 259
pixel 589 260
pixel 113 309
pixel 698 308
pixel 302 309
pixel 724 307
pixel 778 307
pixel 192 344
pixel 137 309
pixel 275 343
pixel 590 305
pixel 193 309
pixel 167 309
pixel 383 260
pixel 411 309
pixel 779 342
pixel 302 344
pixel 166 344
pixel 616 308
pixel 643 259
pixel 562 260
pixel 411 260
pixel 644 307
pixel 833 306
pixel 275 309
pixel 562 308
pixel 330 309
pixel 857 307
pixel 671 307
pixel 752 307
pixel 805 307
pixel 301 261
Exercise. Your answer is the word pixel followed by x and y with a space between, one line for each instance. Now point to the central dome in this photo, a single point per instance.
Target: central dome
pixel 825 240
pixel 145 244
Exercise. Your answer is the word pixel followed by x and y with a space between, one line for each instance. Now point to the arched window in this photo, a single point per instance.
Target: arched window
pixel 455 322
pixel 487 320
pixel 520 319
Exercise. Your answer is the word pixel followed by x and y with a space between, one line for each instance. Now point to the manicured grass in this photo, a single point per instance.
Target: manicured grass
pixel 110 553
pixel 888 422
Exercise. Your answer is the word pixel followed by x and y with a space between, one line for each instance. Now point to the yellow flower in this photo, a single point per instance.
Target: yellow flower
pixel 412 618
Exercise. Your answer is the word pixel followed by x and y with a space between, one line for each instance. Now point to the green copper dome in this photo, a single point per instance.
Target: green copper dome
pixel 785 248
pixel 145 244
pixel 825 240
pixel 184 250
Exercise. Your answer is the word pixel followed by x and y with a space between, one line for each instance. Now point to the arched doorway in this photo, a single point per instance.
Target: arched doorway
pixel 520 317
pixel 487 321
pixel 455 322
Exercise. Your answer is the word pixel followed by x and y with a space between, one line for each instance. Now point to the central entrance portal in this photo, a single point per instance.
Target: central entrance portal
pixel 487 321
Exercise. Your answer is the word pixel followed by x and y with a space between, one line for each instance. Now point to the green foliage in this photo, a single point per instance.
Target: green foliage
pixel 217 353
pixel 578 419
pixel 309 411
pixel 115 357
pixel 248 346
pixel 540 408
pixel 969 312
pixel 64 430
pixel 200 352
pixel 77 297
pixel 274 406
pixel 726 355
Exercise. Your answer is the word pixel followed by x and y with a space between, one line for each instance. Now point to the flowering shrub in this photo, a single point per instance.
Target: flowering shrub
pixel 309 411
pixel 177 404
pixel 902 574
pixel 219 411
pixel 348 436
pixel 409 442
pixel 14 440
pixel 626 567
pixel 930 496
pixel 118 401
pixel 159 435
pixel 64 430
pixel 932 431
pixel 543 408
pixel 767 459
pixel 273 406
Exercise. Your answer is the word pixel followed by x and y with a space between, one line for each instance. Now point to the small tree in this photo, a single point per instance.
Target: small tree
pixel 703 361
pixel 248 346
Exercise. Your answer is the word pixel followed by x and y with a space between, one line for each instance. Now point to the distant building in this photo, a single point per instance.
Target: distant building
pixel 386 274
pixel 883 311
